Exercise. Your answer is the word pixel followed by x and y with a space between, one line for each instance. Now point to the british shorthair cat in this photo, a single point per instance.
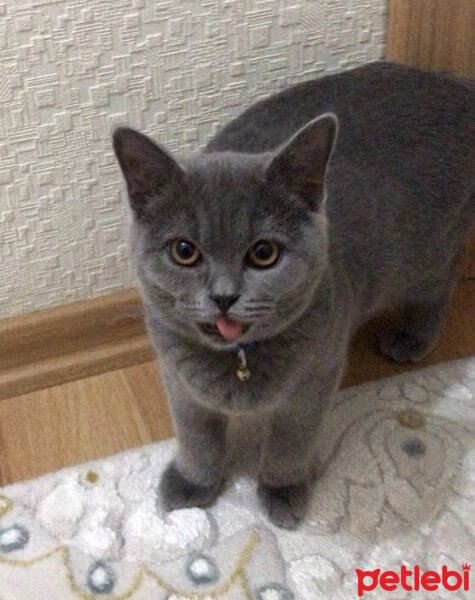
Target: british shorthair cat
pixel 259 257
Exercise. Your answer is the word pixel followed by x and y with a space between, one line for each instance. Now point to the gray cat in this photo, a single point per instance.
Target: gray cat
pixel 259 258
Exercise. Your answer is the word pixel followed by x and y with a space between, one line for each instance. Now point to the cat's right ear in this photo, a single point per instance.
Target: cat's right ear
pixel 147 168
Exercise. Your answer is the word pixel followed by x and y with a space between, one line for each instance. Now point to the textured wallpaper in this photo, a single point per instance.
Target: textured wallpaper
pixel 70 70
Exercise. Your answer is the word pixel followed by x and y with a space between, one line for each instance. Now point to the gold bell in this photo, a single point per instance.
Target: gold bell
pixel 243 373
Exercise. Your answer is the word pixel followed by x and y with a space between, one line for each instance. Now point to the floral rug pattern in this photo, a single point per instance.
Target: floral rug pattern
pixel 399 488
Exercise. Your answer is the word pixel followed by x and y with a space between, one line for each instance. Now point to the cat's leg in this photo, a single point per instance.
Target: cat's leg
pixel 419 324
pixel 195 476
pixel 289 464
pixel 288 467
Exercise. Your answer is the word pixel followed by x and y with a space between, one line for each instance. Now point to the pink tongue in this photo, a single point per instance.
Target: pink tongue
pixel 229 329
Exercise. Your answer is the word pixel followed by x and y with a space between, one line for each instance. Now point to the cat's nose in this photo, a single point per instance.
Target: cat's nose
pixel 225 302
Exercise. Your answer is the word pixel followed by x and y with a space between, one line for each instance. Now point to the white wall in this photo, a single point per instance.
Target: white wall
pixel 72 69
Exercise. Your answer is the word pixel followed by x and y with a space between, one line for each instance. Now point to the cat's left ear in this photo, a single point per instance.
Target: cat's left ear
pixel 301 165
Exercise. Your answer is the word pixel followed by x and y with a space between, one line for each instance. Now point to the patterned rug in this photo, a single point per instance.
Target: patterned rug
pixel 398 495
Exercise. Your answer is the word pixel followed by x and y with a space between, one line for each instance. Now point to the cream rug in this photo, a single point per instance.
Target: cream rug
pixel 399 490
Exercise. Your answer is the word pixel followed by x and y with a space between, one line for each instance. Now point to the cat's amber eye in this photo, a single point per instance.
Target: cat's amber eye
pixel 184 252
pixel 263 254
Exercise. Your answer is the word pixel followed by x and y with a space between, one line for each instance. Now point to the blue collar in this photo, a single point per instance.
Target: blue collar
pixel 245 347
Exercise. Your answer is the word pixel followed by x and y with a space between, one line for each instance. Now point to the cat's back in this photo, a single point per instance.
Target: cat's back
pixel 401 180
pixel 381 106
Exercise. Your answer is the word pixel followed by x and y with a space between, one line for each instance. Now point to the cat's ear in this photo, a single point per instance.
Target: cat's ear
pixel 147 168
pixel 300 166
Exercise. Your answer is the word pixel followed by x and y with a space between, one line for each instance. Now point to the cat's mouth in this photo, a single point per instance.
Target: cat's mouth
pixel 224 329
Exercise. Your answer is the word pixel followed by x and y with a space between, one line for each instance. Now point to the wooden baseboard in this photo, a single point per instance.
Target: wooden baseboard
pixel 54 346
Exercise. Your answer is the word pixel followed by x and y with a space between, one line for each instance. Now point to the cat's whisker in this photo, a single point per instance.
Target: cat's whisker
pixel 195 310
pixel 258 308
pixel 188 304
pixel 257 315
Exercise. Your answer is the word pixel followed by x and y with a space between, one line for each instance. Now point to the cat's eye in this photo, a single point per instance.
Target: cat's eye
pixel 184 252
pixel 263 254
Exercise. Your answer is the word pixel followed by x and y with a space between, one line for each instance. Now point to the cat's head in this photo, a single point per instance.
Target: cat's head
pixel 229 247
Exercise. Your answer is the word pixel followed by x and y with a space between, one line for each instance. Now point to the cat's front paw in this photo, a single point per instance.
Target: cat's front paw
pixel 403 346
pixel 285 505
pixel 177 492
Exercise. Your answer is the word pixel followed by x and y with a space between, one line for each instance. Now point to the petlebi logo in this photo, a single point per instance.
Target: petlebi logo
pixel 413 580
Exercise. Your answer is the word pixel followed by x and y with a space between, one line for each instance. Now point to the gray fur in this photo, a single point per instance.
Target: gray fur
pixel 384 224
